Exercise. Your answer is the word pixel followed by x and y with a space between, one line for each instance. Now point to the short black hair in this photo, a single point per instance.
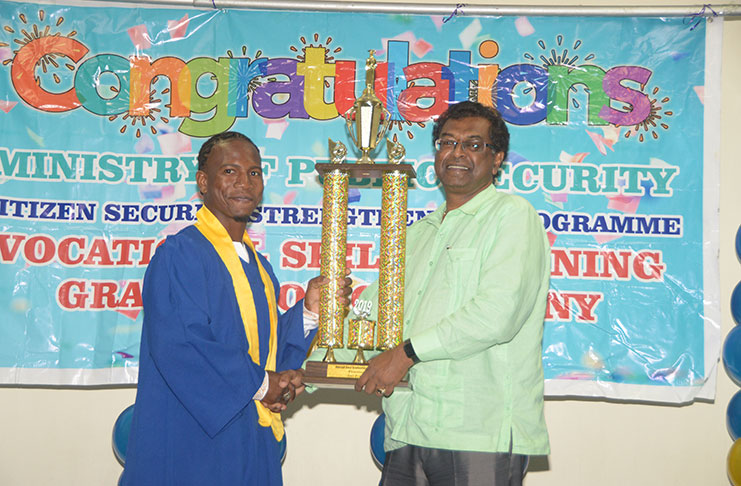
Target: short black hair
pixel 498 132
pixel 208 146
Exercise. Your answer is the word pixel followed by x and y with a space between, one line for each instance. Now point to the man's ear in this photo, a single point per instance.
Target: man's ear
pixel 201 180
pixel 498 159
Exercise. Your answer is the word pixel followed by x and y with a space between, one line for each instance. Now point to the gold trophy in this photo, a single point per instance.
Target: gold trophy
pixel 360 336
pixel 367 122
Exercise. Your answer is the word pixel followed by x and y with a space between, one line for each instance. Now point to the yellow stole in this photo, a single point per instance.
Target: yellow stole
pixel 215 232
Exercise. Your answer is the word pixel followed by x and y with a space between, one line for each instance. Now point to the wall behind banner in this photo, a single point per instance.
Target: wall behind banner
pixel 63 436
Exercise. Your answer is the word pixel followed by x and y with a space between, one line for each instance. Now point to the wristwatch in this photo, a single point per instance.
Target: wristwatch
pixel 409 351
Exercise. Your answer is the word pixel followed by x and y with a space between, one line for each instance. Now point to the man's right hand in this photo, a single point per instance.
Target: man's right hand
pixel 282 389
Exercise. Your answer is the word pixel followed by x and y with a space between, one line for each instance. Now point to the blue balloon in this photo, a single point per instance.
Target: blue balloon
pixel 376 440
pixel 121 430
pixel 733 416
pixel 736 303
pixel 732 354
pixel 738 242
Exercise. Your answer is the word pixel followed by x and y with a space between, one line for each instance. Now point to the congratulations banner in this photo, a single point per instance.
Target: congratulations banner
pixel 104 109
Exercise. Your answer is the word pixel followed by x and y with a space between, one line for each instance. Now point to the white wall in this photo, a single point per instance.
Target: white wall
pixel 62 437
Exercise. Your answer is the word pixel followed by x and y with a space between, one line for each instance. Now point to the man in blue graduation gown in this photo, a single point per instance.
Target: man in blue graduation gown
pixel 218 363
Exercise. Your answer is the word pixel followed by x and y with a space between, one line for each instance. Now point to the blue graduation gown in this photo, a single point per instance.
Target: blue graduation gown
pixel 195 422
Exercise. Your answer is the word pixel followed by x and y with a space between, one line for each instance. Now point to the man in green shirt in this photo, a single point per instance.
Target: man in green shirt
pixel 477 277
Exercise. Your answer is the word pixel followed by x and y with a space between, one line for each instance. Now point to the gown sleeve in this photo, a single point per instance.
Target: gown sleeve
pixel 292 344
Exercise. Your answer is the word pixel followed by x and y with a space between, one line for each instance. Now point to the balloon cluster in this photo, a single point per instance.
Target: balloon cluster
pixel 732 362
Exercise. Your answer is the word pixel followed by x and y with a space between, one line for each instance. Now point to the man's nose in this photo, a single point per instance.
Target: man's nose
pixel 242 179
pixel 458 149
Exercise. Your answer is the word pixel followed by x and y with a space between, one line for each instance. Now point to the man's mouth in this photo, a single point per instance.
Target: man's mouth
pixel 456 167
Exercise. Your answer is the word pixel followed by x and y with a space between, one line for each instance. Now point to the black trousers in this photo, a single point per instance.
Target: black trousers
pixel 421 466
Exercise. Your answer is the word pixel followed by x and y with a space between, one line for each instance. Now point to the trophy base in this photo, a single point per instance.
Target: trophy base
pixel 335 375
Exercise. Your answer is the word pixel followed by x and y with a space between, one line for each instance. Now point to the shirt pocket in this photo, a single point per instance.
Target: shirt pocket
pixel 438 398
pixel 462 271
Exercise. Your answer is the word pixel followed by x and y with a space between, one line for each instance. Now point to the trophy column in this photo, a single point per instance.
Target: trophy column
pixel 333 255
pixel 392 264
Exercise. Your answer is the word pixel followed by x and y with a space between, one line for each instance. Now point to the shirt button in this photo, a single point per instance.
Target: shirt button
pixel 430 263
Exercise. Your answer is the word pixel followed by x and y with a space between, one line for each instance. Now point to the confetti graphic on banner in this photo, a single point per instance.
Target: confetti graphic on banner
pixel 101 129
pixel 524 27
pixel 36 138
pixel 700 92
pixel 6 106
pixel 469 34
pixel 567 158
pixel 178 28
pixel 275 128
pixel 438 21
pixel 601 142
pixel 557 198
pixel 289 197
pixel 144 145
pixel 140 37
pixel 129 313
pixel 623 203
pixel 421 47
pixel 6 54
pixel 174 143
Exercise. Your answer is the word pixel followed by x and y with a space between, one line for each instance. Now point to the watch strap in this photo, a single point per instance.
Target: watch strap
pixel 409 351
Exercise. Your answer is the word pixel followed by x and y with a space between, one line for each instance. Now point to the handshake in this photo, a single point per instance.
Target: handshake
pixel 283 388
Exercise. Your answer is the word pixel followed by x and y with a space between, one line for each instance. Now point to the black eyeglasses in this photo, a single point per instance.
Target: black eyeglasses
pixel 449 144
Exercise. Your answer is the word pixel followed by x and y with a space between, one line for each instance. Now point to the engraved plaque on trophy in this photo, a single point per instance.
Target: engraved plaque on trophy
pixel 367 122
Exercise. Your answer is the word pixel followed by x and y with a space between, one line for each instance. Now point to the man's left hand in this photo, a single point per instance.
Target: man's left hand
pixel 384 372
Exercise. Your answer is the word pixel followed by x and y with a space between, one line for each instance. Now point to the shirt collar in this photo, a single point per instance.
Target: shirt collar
pixel 242 251
pixel 471 207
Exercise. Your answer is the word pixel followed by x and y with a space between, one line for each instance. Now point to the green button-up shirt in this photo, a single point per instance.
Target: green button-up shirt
pixel 475 297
